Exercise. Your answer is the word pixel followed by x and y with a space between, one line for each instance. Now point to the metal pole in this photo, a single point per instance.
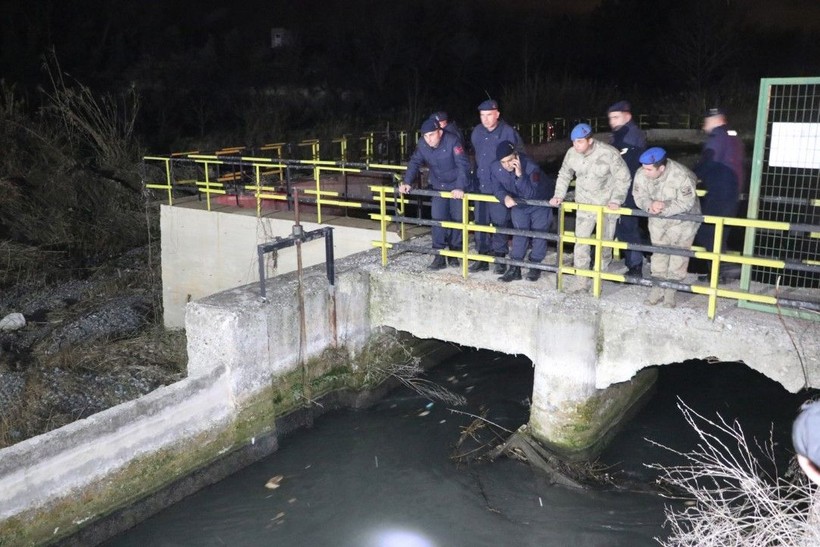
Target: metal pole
pixel 331 279
pixel 297 234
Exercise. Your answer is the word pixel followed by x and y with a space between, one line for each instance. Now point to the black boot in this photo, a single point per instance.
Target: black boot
pixel 438 263
pixel 635 271
pixel 479 266
pixel 513 274
pixel 453 262
pixel 533 274
pixel 499 267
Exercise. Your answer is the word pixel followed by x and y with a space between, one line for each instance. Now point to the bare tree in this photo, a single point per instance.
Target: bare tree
pixel 733 493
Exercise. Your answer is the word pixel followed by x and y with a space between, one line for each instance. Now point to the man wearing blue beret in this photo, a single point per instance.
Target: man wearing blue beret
pixel 664 188
pixel 520 178
pixel 485 139
pixel 601 178
pixel 449 171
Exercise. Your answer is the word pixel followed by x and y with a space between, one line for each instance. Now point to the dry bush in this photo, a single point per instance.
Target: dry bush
pixel 734 494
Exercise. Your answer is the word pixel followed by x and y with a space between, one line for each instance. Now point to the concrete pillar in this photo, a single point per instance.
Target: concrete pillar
pixel 569 415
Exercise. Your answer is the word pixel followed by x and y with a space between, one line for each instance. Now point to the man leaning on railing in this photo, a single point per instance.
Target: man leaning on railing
pixel 449 171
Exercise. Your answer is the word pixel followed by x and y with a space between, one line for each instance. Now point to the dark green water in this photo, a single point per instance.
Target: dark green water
pixel 383 477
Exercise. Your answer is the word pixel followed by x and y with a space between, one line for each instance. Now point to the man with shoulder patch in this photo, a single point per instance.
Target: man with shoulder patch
pixel 664 188
pixel 485 139
pixel 519 178
pixel 449 171
pixel 601 178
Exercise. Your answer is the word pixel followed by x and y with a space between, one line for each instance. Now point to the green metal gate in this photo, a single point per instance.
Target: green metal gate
pixel 785 186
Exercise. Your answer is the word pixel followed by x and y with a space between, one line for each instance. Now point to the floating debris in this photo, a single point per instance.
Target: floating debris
pixel 273 483
pixel 429 405
pixel 424 413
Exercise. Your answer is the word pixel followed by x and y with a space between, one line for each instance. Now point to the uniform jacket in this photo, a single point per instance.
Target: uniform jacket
pixel 448 164
pixel 630 141
pixel 532 184
pixel 675 188
pixel 601 176
pixel 485 144
pixel 724 147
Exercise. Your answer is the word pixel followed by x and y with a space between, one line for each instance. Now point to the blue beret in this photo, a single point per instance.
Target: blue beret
pixel 806 432
pixel 489 104
pixel 620 106
pixel 440 116
pixel 504 149
pixel 653 155
pixel 581 131
pixel 717 111
pixel 429 125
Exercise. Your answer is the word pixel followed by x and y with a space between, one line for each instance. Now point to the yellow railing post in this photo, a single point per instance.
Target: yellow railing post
pixel 561 232
pixel 465 233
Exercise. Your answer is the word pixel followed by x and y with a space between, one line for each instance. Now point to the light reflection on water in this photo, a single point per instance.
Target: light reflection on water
pixel 383 477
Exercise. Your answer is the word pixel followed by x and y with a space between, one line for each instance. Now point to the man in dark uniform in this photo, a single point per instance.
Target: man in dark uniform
pixel 630 141
pixel 720 168
pixel 449 171
pixel 485 139
pixel 443 120
pixel 519 177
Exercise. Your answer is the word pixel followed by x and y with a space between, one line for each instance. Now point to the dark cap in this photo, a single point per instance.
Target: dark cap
pixel 429 125
pixel 489 104
pixel 504 149
pixel 653 155
pixel 620 106
pixel 716 111
pixel 580 131
pixel 440 116
pixel 806 432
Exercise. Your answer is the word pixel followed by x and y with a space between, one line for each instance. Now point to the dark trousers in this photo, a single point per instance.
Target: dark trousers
pixel 498 215
pixel 446 209
pixel 628 230
pixel 720 208
pixel 537 219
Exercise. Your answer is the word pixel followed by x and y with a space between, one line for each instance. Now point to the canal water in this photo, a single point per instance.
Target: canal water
pixel 384 477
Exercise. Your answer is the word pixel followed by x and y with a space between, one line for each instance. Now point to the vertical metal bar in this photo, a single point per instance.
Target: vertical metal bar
pixel 261 257
pixel 168 181
pixel 302 312
pixel 559 279
pixel 465 232
pixel 754 183
pixel 330 266
pixel 383 222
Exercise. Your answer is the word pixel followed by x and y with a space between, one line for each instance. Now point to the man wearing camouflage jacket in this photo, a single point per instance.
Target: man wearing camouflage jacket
pixel 664 188
pixel 601 178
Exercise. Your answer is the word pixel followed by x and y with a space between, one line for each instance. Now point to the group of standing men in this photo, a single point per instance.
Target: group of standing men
pixel 620 174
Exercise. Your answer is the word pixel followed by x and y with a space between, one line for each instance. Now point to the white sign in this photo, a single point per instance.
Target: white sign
pixel 795 145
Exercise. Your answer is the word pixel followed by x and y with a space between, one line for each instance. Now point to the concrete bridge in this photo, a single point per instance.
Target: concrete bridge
pixel 587 353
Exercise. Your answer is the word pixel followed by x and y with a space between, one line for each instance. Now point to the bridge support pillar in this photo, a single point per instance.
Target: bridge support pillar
pixel 569 415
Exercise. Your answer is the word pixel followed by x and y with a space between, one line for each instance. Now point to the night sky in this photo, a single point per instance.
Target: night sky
pixel 202 67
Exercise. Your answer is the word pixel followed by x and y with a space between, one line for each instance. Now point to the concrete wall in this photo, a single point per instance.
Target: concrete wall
pixel 242 350
pixel 205 252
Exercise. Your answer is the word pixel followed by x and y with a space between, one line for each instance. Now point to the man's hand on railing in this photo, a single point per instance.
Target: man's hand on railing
pixel 405 188
pixel 457 194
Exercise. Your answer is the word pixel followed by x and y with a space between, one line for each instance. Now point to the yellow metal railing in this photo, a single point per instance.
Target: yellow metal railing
pixel 712 291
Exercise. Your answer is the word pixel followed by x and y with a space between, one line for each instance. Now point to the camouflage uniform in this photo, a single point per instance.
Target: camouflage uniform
pixel 676 188
pixel 601 176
